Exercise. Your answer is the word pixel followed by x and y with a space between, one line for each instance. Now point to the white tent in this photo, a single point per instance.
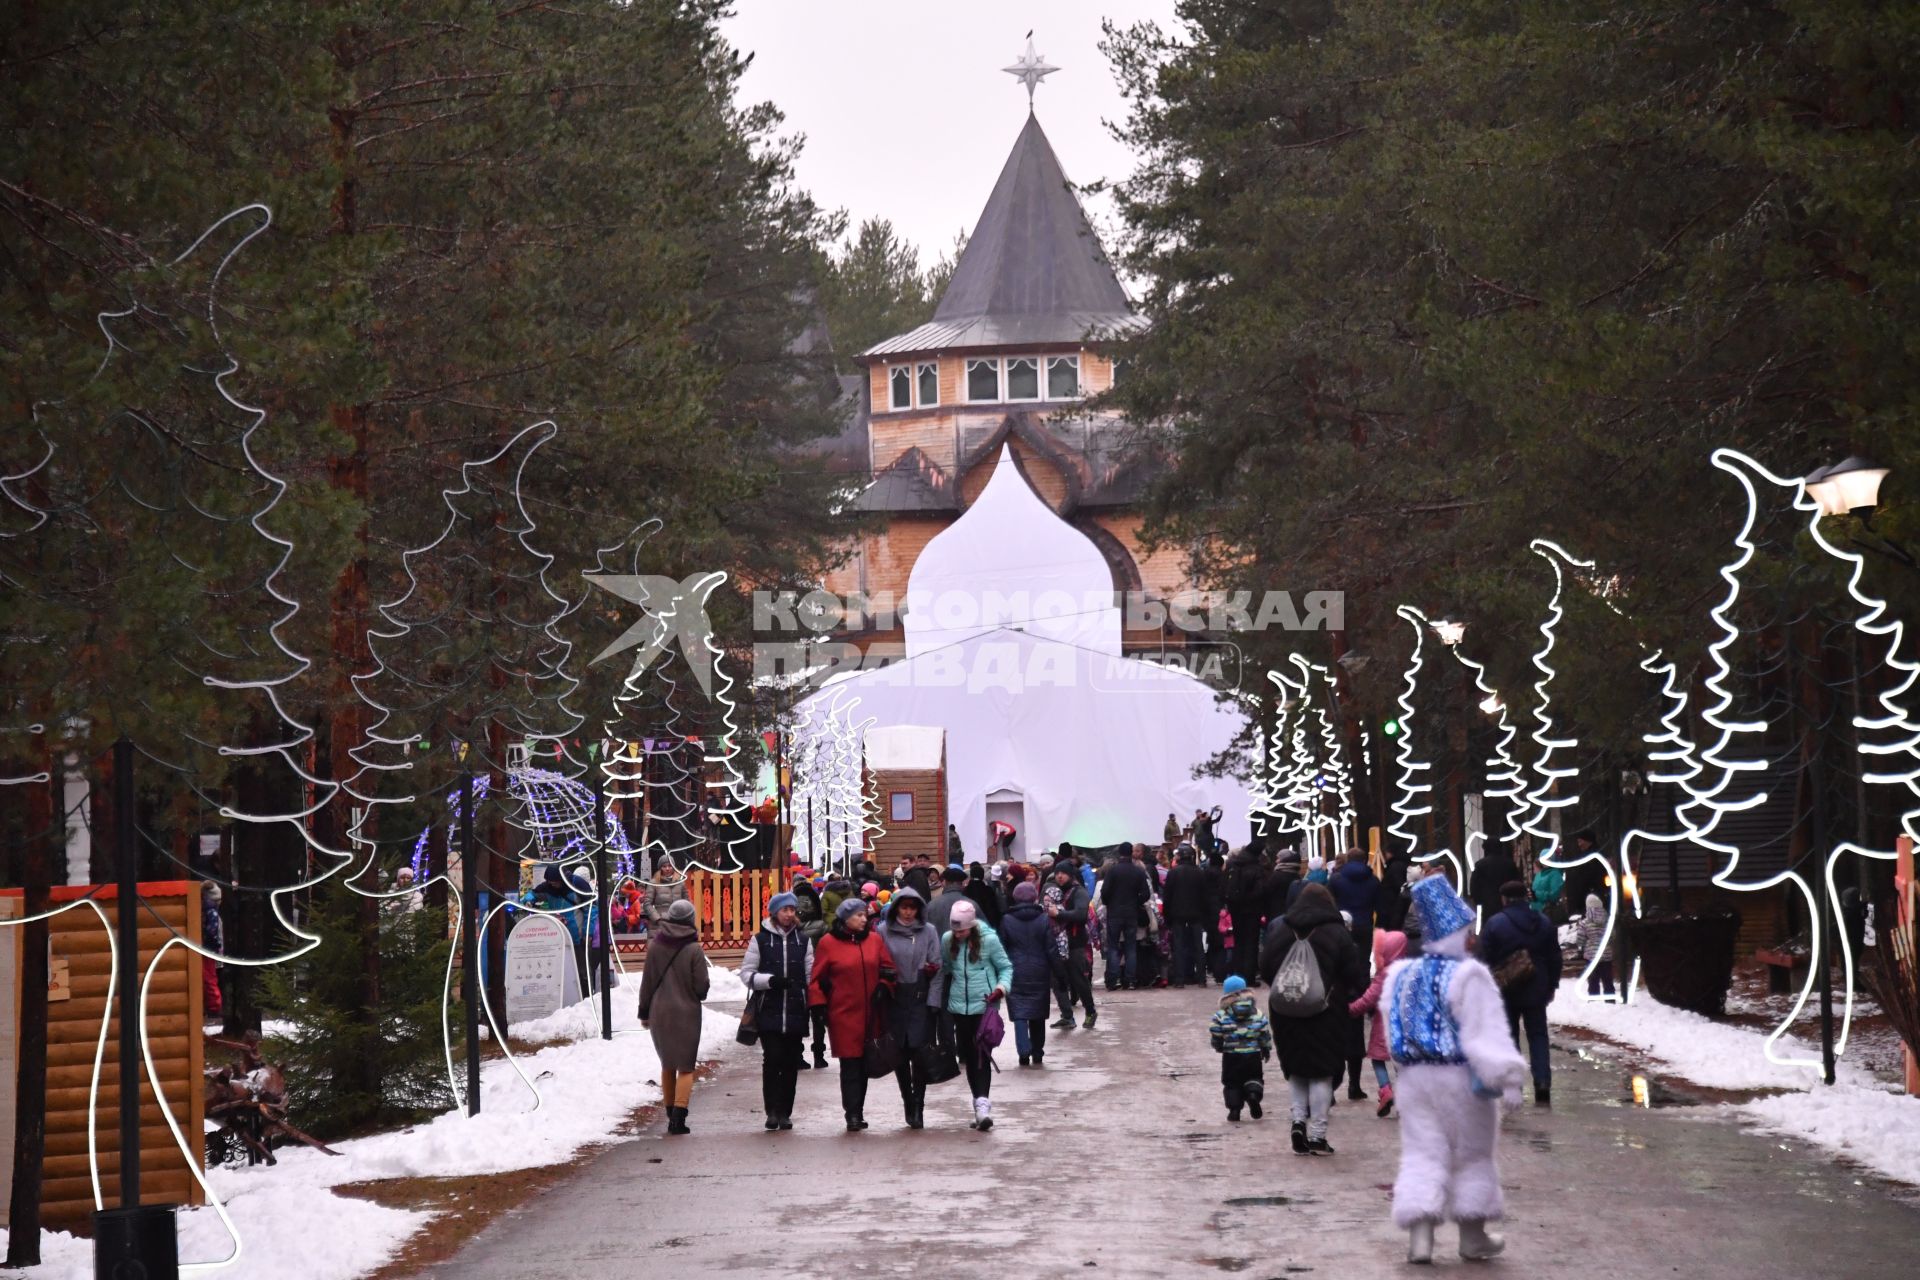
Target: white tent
pixel 1048 727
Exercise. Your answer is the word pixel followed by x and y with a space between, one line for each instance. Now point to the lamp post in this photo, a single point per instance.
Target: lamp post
pixel 1853 485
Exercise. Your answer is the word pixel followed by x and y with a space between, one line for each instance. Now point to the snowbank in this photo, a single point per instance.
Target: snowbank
pixel 1715 1055
pixel 292 1224
pixel 1875 1128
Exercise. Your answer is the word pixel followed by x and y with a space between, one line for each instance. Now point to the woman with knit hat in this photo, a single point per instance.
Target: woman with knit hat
pixel 776 968
pixel 851 965
pixel 915 946
pixel 1447 1030
pixel 672 985
pixel 974 973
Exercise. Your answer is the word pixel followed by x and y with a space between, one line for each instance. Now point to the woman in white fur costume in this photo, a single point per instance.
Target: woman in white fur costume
pixel 1447 1030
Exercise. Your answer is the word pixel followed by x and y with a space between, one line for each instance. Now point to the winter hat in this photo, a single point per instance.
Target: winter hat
pixel 997 870
pixel 1024 892
pixel 954 874
pixel 1316 863
pixel 847 907
pixel 1233 986
pixel 1439 908
pixel 869 889
pixel 963 916
pixel 681 912
pixel 779 902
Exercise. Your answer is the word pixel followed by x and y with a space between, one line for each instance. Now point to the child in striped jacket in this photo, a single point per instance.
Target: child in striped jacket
pixel 1243 1040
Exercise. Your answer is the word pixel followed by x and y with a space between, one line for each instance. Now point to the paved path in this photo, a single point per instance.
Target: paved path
pixel 1117 1160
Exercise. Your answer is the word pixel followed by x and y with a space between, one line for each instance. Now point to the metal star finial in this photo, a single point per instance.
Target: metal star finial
pixel 1030 69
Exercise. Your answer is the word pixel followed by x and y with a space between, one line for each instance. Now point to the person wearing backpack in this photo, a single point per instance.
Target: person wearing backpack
pixel 1314 970
pixel 1527 985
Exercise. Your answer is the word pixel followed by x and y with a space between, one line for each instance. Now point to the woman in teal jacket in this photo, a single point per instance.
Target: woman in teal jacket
pixel 1547 885
pixel 974 972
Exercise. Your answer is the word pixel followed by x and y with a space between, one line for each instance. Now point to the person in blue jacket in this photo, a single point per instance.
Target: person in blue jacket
pixel 974 973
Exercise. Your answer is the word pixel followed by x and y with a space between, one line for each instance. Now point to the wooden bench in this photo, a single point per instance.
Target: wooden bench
pixel 1782 968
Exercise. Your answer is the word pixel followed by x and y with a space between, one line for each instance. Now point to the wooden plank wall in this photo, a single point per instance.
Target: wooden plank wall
pixel 926 834
pixel 175 1014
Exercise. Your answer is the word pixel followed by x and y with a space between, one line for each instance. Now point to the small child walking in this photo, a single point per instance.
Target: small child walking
pixel 1388 946
pixel 1243 1040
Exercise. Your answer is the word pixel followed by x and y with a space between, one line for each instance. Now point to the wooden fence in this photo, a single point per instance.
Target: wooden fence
pixel 729 908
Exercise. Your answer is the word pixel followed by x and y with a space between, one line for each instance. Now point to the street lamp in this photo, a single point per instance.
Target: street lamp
pixel 1450 632
pixel 1846 486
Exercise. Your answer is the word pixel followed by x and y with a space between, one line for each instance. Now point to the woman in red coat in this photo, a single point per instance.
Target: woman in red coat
pixel 850 965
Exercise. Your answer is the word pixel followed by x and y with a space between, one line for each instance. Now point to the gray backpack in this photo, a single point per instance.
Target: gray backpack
pixel 1298 989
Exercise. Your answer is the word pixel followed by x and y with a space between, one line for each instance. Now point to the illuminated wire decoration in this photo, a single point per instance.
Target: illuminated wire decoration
pixel 1413 797
pixel 1505 779
pixel 1544 802
pixel 1721 763
pixel 1888 741
pixel 1335 776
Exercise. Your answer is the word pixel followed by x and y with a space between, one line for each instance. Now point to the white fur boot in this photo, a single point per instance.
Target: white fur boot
pixel 1420 1242
pixel 983 1113
pixel 1476 1242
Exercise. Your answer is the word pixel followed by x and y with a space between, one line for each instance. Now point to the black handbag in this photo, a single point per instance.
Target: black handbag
pixel 942 1054
pixel 880 1052
pixel 749 1029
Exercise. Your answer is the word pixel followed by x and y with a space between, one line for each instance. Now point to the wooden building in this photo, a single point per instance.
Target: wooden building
pixel 906 768
pixel 1018 345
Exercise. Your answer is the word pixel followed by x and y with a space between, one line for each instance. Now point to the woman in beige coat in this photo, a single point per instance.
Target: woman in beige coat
pixel 669 885
pixel 672 985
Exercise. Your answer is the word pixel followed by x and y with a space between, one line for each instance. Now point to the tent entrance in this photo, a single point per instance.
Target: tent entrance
pixel 1009 807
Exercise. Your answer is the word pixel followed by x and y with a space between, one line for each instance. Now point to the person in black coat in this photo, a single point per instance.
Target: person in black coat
pixel 1514 928
pixel 1276 892
pixel 1124 892
pixel 1313 1049
pixel 1027 935
pixel 1214 873
pixel 1393 880
pixel 983 895
pixel 1357 892
pixel 1184 898
pixel 1492 871
pixel 1245 881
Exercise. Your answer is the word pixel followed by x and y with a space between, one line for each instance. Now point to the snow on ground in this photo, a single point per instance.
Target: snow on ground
pixel 1875 1128
pixel 292 1224
pixel 1860 1117
pixel 1716 1055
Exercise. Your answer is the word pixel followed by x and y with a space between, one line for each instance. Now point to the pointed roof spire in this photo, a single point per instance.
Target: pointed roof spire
pixel 1033 270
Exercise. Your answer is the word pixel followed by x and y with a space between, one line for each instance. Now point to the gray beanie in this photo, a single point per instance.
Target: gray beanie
pixel 681 912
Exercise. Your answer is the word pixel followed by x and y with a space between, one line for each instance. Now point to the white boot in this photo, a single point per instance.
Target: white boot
pixel 1476 1242
pixel 1420 1242
pixel 982 1113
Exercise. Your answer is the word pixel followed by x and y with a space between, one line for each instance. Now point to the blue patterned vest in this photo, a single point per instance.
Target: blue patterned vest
pixel 1420 1024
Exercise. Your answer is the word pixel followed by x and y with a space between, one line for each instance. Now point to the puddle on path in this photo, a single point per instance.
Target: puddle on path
pixel 1243 1202
pixel 1227 1264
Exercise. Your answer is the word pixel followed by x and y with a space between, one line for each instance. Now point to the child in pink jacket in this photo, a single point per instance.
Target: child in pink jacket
pixel 1388 946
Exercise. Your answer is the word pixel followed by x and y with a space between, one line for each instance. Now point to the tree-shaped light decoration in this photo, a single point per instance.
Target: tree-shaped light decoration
pixel 1413 796
pixel 1506 780
pixel 1670 758
pixel 1721 760
pixel 173 499
pixel 1888 740
pixel 1334 777
pixel 1544 800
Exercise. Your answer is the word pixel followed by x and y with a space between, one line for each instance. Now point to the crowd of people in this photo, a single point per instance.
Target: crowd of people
pixel 918 974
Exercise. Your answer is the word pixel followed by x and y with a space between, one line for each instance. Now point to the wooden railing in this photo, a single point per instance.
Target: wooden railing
pixel 729 907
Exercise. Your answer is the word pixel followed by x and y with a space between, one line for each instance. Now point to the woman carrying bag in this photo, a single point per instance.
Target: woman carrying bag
pixel 974 975
pixel 915 946
pixel 776 969
pixel 672 985
pixel 851 966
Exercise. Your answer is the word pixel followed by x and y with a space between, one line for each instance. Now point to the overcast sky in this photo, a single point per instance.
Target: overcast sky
pixel 906 111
